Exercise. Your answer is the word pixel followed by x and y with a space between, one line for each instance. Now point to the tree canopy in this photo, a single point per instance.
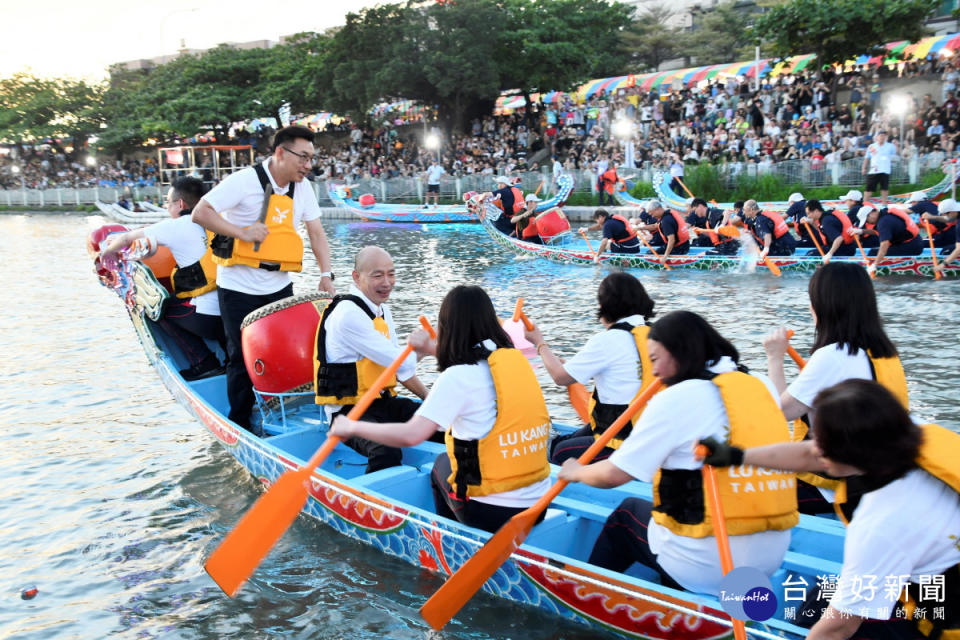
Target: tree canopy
pixel 34 108
pixel 837 30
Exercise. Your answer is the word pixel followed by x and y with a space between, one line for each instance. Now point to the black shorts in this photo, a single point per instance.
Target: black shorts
pixel 878 179
pixel 433 188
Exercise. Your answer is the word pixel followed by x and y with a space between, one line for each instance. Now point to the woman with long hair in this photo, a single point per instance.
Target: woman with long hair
pixel 488 400
pixel 616 359
pixel 707 395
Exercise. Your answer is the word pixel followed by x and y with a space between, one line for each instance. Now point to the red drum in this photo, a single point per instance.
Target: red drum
pixel 278 341
pixel 552 223
pixel 367 200
pixel 161 263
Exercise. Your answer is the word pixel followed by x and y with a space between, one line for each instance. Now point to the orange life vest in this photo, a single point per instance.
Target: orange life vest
pixel 846 224
pixel 779 225
pixel 518 203
pixel 683 232
pixel 626 223
pixel 609 179
pixel 912 227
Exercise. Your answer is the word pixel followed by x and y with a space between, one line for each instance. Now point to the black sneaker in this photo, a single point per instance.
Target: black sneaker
pixel 207 368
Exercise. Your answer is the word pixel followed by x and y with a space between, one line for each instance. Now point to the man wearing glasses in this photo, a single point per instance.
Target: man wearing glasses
pixel 256 213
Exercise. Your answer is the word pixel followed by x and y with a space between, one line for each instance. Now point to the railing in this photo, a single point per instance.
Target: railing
pixel 413 190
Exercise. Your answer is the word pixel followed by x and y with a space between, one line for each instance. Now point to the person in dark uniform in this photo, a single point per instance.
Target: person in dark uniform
pixel 769 229
pixel 618 235
pixel 896 232
pixel 672 229
pixel 953 254
pixel 794 214
pixel 831 229
pixel 508 199
pixel 942 221
pixel 703 217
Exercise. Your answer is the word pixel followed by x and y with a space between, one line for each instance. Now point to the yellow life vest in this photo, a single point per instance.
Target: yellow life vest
pixel 754 499
pixel 281 250
pixel 938 455
pixel 344 383
pixel 603 415
pixel 197 278
pixel 889 373
pixel 514 454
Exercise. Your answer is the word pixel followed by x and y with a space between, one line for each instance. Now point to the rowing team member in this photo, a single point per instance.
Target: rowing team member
pixel 705 219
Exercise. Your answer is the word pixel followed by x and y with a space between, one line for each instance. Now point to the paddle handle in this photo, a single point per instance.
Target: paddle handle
pixel 364 402
pixel 719 529
pixel 796 357
pixel 933 251
pixel 584 234
pixel 816 242
pixel 587 456
pixel 772 266
pixel 518 310
pixel 652 250
pixel 866 260
pixel 684 187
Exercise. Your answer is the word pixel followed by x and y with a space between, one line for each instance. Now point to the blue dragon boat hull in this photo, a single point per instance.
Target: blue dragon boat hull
pixel 391 510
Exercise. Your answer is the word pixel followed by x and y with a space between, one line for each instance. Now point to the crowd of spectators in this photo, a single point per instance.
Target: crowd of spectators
pixel 791 117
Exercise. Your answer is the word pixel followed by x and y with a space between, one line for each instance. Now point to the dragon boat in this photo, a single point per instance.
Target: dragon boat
pixel 392 510
pixel 570 250
pixel 125 216
pixel 661 185
pixel 366 208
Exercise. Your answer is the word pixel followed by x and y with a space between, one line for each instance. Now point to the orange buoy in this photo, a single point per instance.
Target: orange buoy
pixel 278 342
pixel 367 200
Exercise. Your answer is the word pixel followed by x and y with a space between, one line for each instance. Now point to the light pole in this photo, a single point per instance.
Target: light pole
pixel 899 104
pixel 432 142
pixel 16 170
pixel 623 130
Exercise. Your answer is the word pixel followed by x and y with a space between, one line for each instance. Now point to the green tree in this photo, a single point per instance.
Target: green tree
pixel 34 108
pixel 295 73
pixel 650 40
pixel 722 34
pixel 838 30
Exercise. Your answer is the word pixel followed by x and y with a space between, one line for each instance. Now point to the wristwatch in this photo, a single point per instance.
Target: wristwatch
pixel 328 274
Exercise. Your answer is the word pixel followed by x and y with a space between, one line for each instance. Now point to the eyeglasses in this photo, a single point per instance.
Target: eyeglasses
pixel 305 158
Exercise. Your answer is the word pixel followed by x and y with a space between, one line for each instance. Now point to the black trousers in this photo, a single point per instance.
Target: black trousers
pixel 384 409
pixel 479 515
pixel 234 307
pixel 623 541
pixel 187 329
pixel 573 445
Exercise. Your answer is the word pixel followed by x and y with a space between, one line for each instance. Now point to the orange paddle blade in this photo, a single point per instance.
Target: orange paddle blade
pixel 244 548
pixel 774 269
pixel 470 577
pixel 580 400
pixel 728 230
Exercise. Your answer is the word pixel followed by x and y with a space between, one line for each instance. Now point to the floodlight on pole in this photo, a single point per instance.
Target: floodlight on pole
pixel 432 142
pixel 899 104
pixel 622 128
pixel 91 161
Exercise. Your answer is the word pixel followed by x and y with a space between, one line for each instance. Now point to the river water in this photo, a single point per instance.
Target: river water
pixel 111 495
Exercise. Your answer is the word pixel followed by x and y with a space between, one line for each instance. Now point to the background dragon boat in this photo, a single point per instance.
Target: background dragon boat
pixel 571 250
pixel 125 216
pixel 342 197
pixel 661 184
pixel 392 509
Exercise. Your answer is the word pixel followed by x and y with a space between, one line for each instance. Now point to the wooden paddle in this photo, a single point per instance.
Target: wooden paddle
pixel 933 251
pixel 652 250
pixel 796 357
pixel 774 269
pixel 866 260
pixel 578 394
pixel 816 242
pixel 539 186
pixel 719 529
pixel 237 557
pixel 471 576
pixel 589 246
pixel 684 187
pixel 726 230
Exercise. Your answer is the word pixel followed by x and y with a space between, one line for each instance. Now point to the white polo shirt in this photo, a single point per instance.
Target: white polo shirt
pixel 829 365
pixel 673 422
pixel 902 531
pixel 239 198
pixel 611 360
pixel 464 398
pixel 187 242
pixel 881 156
pixel 351 337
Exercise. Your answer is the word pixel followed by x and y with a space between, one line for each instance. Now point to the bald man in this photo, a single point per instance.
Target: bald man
pixel 356 340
